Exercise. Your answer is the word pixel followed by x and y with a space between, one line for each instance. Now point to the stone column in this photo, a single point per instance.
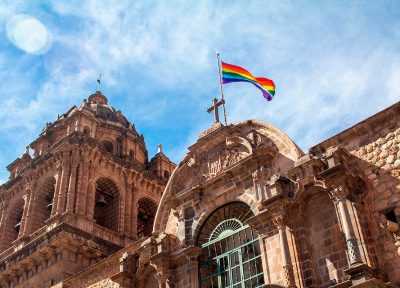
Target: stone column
pixel 285 257
pixel 71 187
pixel 62 195
pixel 3 225
pixel 56 196
pixel 128 209
pixel 80 208
pixel 338 195
pixel 193 265
pixel 90 195
pixel 121 211
pixel 26 212
pixel 134 212
pixel 65 187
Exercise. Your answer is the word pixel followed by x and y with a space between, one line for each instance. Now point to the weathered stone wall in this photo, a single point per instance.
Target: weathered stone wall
pixel 272 259
pixel 376 143
pixel 328 248
pixel 105 283
pixel 381 162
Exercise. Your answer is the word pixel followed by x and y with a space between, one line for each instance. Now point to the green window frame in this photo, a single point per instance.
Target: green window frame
pixel 231 255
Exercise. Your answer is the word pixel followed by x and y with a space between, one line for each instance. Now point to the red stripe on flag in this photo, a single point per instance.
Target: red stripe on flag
pixel 235 68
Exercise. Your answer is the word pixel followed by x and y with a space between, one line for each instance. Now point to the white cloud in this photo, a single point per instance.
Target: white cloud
pixel 159 62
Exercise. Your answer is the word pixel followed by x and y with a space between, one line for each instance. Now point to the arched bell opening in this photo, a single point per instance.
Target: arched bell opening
pixel 12 224
pixel 106 204
pixel 44 204
pixel 145 218
pixel 231 255
pixel 16 219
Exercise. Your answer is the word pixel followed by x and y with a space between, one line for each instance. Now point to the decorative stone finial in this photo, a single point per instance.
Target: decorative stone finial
pixel 159 148
pixel 98 98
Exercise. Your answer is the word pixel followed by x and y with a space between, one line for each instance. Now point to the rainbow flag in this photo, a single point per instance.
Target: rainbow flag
pixel 232 73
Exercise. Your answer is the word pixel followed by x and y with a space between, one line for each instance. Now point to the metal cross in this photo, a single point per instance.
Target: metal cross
pixel 215 109
pixel 99 80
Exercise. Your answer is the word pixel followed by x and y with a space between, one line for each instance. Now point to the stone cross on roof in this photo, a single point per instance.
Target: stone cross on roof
pixel 215 109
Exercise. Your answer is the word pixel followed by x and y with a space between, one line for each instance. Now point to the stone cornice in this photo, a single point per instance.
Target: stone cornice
pixel 77 138
pixel 103 264
pixel 53 235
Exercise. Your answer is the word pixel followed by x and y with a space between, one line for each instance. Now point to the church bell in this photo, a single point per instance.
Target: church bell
pixel 49 206
pixel 17 227
pixel 101 202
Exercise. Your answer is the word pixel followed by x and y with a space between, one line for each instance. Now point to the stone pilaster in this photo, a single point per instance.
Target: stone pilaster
pixel 280 220
pixel 56 197
pixel 71 187
pixel 90 195
pixel 134 212
pixel 26 215
pixel 62 199
pixel 338 196
pixel 80 208
pixel 359 271
pixel 285 256
pixel 128 209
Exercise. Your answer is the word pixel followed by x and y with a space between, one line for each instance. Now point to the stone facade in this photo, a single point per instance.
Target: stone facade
pixel 245 207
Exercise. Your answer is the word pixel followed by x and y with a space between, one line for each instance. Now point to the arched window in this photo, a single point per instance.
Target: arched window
pixel 108 146
pixel 44 203
pixel 131 154
pixel 230 249
pixel 106 204
pixel 16 218
pixel 12 225
pixel 146 211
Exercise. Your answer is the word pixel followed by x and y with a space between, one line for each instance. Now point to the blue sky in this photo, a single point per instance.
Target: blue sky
pixel 333 62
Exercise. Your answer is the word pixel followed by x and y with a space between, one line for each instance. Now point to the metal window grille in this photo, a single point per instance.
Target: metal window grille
pixel 231 254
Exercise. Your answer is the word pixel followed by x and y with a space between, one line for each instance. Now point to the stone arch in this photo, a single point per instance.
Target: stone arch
pixel 44 203
pixel 304 194
pixel 228 245
pixel 106 203
pixel 210 205
pixel 285 145
pixel 146 212
pixel 255 132
pixel 211 220
pixel 12 222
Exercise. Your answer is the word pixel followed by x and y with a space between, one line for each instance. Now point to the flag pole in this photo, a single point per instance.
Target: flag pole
pixel 220 86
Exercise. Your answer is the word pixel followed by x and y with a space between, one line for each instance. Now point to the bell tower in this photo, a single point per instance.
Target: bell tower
pixel 83 194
